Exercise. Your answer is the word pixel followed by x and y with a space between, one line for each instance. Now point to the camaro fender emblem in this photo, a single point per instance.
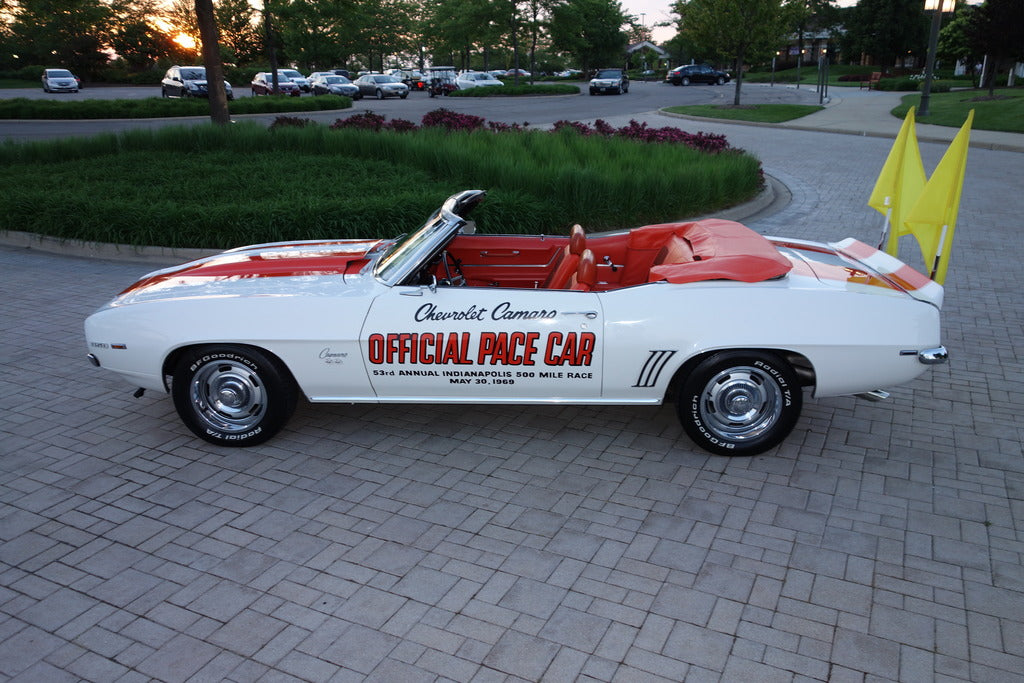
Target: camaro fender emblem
pixel 652 368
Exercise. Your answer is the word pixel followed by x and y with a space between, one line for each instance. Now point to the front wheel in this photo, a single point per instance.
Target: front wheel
pixel 721 80
pixel 232 395
pixel 740 402
pixel 380 94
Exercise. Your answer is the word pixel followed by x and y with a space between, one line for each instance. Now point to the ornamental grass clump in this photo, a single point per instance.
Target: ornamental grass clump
pixel 126 188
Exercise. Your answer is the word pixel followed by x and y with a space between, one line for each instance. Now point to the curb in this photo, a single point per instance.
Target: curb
pixel 994 146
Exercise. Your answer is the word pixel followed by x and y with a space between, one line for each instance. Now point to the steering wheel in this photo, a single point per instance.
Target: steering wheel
pixel 457 280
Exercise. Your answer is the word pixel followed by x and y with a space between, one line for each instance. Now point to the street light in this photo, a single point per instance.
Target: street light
pixel 936 7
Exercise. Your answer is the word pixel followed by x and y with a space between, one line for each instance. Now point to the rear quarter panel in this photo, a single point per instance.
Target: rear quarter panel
pixel 852 339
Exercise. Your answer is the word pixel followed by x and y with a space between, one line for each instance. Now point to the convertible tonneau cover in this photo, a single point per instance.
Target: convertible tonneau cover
pixel 711 249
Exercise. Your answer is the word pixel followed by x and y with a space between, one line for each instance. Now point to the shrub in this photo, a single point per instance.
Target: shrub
pixel 704 142
pixel 898 84
pixel 445 118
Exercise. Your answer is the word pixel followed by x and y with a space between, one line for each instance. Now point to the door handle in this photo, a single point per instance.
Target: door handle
pixel 590 315
pixel 501 254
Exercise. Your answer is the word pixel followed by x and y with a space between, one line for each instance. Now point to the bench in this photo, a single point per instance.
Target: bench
pixel 872 82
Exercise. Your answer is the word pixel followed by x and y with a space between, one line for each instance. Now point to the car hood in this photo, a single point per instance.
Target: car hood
pixel 259 270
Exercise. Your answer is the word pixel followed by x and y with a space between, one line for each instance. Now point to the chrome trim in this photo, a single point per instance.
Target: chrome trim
pixel 93 359
pixel 935 356
pixel 874 395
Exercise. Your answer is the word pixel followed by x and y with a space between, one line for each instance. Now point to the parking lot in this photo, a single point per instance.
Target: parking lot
pixel 881 541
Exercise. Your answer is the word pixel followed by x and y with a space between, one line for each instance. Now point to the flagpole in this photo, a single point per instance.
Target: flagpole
pixel 938 251
pixel 885 226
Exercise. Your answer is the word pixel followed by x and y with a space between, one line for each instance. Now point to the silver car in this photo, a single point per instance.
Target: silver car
pixel 381 86
pixel 59 80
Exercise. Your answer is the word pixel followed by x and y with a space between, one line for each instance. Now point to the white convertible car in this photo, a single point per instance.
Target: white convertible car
pixel 728 324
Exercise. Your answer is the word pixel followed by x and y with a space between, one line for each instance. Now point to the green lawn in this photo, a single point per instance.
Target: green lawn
pixel 764 113
pixel 1005 113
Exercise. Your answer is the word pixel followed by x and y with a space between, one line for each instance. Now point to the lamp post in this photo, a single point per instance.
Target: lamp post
pixel 936 7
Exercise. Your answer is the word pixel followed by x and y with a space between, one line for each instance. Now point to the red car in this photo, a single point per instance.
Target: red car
pixel 263 84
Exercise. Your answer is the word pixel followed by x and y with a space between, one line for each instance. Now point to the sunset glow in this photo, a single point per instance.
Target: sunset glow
pixel 185 41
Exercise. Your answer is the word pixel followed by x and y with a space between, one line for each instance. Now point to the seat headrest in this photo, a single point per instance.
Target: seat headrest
pixel 577 240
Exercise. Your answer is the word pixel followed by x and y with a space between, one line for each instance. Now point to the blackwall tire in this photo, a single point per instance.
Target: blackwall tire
pixel 232 395
pixel 740 402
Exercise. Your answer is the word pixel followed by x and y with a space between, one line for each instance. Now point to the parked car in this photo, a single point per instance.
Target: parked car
pixel 411 77
pixel 60 80
pixel 297 78
pixel 381 86
pixel 498 73
pixel 263 84
pixel 696 73
pixel 335 85
pixel 188 81
pixel 609 81
pixel 512 73
pixel 729 324
pixel 569 73
pixel 476 79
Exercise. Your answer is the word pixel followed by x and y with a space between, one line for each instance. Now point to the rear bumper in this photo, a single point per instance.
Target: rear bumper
pixel 935 356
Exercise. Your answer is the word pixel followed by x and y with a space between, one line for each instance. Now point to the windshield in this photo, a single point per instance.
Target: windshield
pixel 608 73
pixel 292 73
pixel 59 73
pixel 193 74
pixel 407 252
pixel 386 79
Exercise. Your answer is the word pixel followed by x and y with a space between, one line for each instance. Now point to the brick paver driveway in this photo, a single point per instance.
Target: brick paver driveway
pixel 881 541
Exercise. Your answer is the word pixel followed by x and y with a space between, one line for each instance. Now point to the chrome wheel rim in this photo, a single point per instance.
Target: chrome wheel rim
pixel 228 396
pixel 741 403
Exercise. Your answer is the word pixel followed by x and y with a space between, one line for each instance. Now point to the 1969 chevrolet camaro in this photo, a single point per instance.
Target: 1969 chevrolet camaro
pixel 727 323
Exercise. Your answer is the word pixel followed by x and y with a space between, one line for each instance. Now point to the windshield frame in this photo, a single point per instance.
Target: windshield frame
pixel 413 252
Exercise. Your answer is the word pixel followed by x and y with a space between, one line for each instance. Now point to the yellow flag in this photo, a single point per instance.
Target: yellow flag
pixel 932 218
pixel 900 181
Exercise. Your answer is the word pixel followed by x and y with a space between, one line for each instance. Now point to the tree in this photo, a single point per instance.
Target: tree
pixel 886 29
pixel 746 30
pixel 997 30
pixel 955 44
pixel 215 89
pixel 69 33
pixel 240 36
pixel 135 37
pixel 590 31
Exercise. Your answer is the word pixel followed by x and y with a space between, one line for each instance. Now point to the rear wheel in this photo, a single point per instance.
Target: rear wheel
pixel 685 81
pixel 232 395
pixel 740 402
pixel 380 94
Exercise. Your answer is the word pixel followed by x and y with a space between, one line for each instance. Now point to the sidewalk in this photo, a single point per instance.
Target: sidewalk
pixel 866 112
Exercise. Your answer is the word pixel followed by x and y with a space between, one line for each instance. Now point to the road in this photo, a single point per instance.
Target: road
pixel 642 97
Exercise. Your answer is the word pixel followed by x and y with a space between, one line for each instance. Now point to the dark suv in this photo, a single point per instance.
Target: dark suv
pixel 696 73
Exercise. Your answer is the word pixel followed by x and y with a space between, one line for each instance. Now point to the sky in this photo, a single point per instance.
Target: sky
pixel 655 11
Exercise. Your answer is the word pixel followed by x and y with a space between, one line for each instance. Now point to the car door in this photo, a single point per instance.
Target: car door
pixel 481 344
pixel 176 88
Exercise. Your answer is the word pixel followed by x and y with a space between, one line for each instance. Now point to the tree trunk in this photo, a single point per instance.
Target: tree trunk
pixel 215 90
pixel 739 77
